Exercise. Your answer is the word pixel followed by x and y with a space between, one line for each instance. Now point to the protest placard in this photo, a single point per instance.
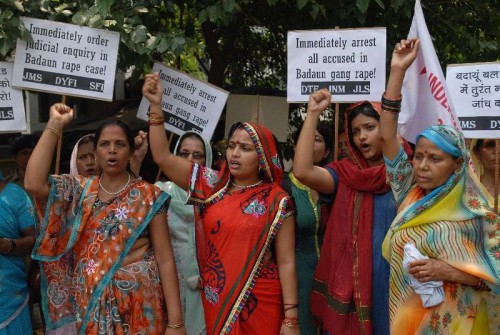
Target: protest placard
pixel 475 91
pixel 349 62
pixel 12 115
pixel 67 59
pixel 188 104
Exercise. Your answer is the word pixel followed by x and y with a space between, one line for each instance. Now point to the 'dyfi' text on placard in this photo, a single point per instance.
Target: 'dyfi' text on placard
pixel 188 103
pixel 67 59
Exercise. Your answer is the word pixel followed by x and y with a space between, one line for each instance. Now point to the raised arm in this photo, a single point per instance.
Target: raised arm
pixel 403 56
pixel 37 171
pixel 313 176
pixel 141 149
pixel 175 168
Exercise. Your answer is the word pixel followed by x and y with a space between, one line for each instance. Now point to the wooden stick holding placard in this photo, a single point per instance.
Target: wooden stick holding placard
pixel 170 137
pixel 336 129
pixel 59 144
pixel 497 172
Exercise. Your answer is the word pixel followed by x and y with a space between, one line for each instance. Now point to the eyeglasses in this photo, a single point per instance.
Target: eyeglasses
pixel 186 154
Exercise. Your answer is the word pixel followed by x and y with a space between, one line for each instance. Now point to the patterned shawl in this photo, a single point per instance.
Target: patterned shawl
pixel 452 223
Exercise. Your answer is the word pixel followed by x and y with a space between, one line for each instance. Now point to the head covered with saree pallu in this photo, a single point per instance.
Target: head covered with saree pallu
pixel 342 287
pixel 452 223
pixel 241 288
pixel 73 169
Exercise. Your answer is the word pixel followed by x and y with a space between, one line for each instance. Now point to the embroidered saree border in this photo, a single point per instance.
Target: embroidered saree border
pixel 340 307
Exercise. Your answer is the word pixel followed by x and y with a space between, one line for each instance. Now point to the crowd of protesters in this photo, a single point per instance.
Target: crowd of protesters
pixel 393 238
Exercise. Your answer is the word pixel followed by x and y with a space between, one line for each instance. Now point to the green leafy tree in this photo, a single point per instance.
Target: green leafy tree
pixel 242 43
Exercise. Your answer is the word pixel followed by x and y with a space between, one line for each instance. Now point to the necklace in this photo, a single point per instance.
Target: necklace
pixel 114 193
pixel 243 187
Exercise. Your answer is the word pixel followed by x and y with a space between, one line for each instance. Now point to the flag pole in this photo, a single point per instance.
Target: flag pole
pixel 497 172
pixel 336 127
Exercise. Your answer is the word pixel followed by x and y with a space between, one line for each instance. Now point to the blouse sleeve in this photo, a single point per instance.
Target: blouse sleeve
pixel 400 175
pixel 23 208
pixel 202 181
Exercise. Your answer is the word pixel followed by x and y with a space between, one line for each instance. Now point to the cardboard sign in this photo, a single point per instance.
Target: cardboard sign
pixel 475 91
pixel 188 104
pixel 349 62
pixel 67 59
pixel 12 114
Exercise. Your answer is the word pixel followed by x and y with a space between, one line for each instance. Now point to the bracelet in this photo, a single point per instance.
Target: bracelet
pixel 480 285
pixel 391 102
pixel 291 306
pixel 12 246
pixel 176 326
pixel 156 123
pixel 391 106
pixel 53 131
pixel 156 117
pixel 291 322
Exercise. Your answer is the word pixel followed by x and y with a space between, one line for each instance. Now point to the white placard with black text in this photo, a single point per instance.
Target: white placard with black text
pixel 12 114
pixel 188 104
pixel 349 62
pixel 67 59
pixel 475 91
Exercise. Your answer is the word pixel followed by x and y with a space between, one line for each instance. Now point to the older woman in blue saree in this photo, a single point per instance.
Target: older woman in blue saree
pixel 444 213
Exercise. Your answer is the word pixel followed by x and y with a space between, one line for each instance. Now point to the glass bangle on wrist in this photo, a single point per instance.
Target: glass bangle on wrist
pixel 12 246
pixel 175 326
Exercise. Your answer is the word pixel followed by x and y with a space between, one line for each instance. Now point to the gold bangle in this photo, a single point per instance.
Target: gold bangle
pixel 176 326
pixel 53 131
pixel 156 116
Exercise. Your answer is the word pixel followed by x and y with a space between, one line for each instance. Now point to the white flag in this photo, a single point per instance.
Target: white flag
pixel 426 100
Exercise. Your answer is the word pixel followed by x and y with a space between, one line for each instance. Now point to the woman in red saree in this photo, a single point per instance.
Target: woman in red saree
pixel 245 228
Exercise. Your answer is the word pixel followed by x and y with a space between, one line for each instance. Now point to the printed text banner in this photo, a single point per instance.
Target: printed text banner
pixel 12 115
pixel 188 103
pixel 349 62
pixel 67 59
pixel 475 91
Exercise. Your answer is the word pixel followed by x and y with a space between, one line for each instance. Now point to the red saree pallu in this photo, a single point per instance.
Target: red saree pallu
pixel 342 285
pixel 82 244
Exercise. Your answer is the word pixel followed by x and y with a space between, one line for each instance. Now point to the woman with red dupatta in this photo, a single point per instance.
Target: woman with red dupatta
pixel 350 286
pixel 244 228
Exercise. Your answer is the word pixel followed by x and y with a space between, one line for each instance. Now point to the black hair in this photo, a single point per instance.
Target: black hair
pixel 126 130
pixel 324 129
pixel 478 144
pixel 23 142
pixel 90 138
pixel 122 125
pixel 364 108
